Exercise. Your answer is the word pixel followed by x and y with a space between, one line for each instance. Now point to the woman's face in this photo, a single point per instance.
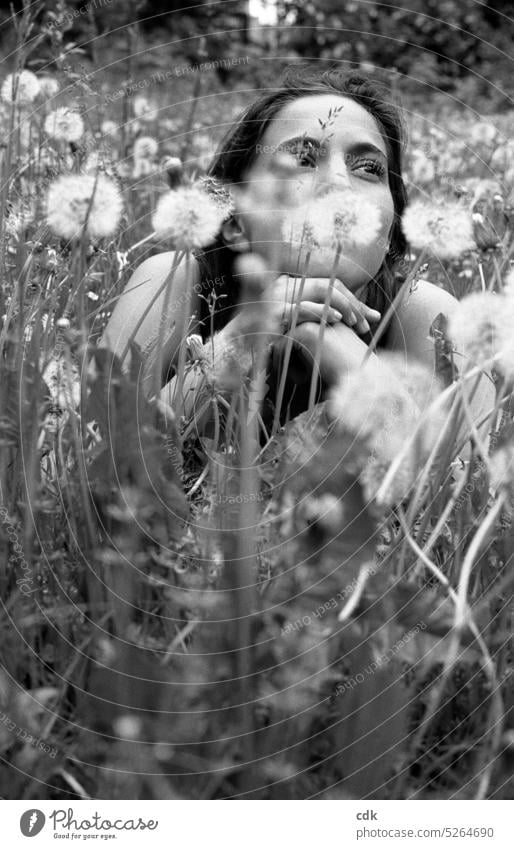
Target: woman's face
pixel 348 153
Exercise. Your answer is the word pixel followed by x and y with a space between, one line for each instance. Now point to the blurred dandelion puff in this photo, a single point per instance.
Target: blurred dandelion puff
pixel 442 226
pixel 22 88
pixel 64 124
pixel 188 217
pixel 144 109
pixel 145 147
pixel 69 207
pixel 48 87
pixel 338 218
pixel 109 128
pixel 381 409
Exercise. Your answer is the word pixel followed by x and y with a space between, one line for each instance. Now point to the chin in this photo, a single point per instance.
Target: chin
pixel 353 270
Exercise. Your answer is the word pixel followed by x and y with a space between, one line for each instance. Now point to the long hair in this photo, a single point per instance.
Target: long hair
pixel 238 151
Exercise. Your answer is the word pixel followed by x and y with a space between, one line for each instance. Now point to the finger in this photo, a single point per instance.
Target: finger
pixel 310 311
pixel 363 312
pixel 317 290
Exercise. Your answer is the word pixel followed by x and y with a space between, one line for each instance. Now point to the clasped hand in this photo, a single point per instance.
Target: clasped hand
pixel 343 305
pixel 341 349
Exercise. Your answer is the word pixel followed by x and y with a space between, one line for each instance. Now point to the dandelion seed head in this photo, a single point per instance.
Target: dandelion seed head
pixel 218 191
pixel 443 226
pixel 26 84
pixel 49 87
pixel 370 404
pixel 145 147
pixel 336 219
pixel 373 474
pixel 64 124
pixel 482 133
pixel 301 230
pixel 109 128
pixel 144 109
pixel 188 217
pixel 68 202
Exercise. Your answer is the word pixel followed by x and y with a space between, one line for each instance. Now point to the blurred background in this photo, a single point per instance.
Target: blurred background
pixel 460 47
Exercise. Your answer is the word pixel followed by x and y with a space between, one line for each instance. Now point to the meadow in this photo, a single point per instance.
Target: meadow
pixel 193 617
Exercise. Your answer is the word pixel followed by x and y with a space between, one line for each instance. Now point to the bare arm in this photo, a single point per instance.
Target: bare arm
pixel 410 335
pixel 153 300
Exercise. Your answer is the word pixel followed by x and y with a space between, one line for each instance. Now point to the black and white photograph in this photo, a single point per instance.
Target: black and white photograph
pixel 257 420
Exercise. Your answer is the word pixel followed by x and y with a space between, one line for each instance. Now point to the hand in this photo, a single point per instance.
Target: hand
pixel 344 306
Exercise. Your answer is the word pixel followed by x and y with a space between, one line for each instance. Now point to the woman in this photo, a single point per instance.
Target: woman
pixel 339 132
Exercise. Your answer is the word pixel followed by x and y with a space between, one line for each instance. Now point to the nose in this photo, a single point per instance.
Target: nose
pixel 334 173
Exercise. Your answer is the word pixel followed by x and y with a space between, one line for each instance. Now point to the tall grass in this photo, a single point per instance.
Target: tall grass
pixel 214 617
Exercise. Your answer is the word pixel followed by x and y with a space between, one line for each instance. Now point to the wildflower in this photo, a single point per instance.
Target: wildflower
pixel 188 217
pixel 25 85
pixel 485 235
pixel 19 217
pixel 49 87
pixel 64 124
pixel 442 226
pixel 195 346
pixel 69 206
pixel 145 147
pixel 173 167
pixel 63 384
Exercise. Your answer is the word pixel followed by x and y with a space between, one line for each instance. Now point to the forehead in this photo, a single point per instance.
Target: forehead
pixel 351 123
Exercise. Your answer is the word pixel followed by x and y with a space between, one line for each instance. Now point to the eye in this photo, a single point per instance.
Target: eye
pixel 306 152
pixel 371 166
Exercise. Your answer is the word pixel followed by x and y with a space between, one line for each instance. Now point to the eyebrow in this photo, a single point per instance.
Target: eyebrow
pixel 357 149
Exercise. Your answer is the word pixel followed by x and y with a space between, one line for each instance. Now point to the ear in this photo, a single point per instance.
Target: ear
pixel 234 236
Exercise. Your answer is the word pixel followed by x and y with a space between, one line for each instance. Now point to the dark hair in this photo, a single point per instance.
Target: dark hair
pixel 237 152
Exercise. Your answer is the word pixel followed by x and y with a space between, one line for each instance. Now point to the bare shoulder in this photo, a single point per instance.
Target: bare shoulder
pixel 410 325
pixel 154 295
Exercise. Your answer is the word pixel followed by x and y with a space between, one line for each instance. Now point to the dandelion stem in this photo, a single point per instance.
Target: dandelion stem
pixel 288 349
pixel 322 325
